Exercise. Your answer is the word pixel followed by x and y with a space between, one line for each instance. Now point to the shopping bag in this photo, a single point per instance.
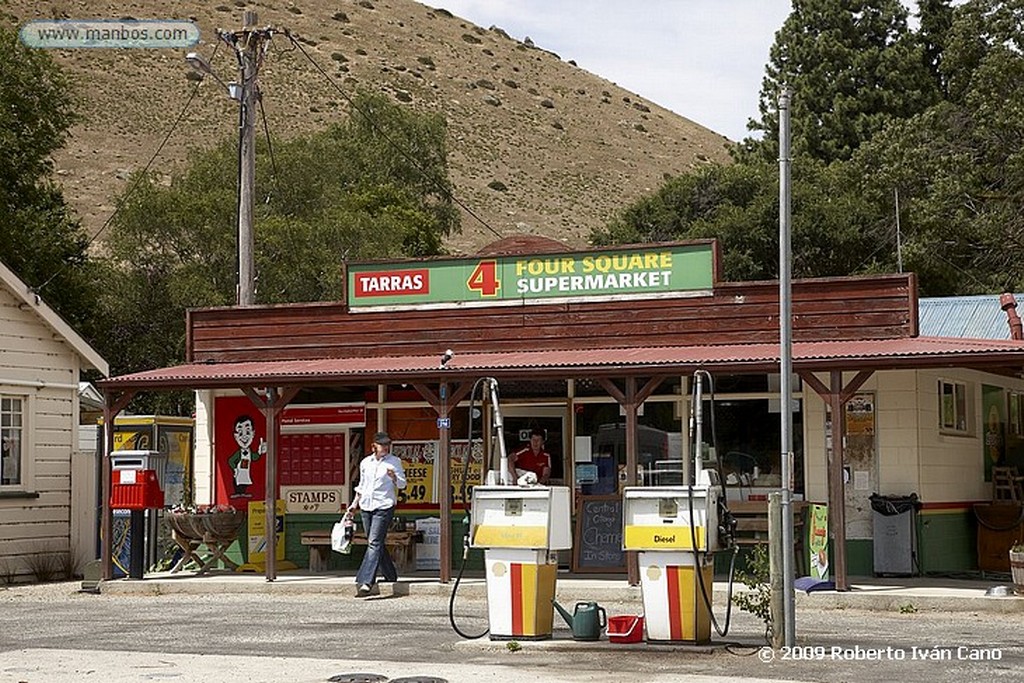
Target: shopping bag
pixel 338 537
pixel 341 535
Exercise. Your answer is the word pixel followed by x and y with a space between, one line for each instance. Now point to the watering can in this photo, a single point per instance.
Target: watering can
pixel 586 621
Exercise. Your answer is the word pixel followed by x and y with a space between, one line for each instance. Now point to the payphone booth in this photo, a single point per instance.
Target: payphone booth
pixel 675 530
pixel 521 530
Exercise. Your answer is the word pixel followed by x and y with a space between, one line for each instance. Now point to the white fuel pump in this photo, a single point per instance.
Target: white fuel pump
pixel 520 529
pixel 675 530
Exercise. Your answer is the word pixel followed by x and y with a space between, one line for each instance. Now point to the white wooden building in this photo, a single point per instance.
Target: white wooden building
pixel 41 360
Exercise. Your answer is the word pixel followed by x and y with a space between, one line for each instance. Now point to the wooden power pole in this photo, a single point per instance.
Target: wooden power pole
pixel 250 45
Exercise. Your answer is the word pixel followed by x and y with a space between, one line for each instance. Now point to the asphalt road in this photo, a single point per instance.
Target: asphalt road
pixel 412 636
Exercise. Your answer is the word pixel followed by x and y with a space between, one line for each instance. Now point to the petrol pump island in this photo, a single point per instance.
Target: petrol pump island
pixel 674 529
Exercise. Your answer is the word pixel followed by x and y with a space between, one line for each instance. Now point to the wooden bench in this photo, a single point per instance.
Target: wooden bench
pixel 752 527
pixel 401 546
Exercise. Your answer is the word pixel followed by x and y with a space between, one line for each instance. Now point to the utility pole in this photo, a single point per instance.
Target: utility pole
pixel 250 45
pixel 786 368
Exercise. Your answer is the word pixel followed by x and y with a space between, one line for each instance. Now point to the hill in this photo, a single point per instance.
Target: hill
pixel 537 145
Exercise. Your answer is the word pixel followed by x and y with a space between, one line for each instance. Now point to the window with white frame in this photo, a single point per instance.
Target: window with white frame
pixel 11 439
pixel 953 406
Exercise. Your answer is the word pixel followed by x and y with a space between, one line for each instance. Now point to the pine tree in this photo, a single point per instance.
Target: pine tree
pixel 854 66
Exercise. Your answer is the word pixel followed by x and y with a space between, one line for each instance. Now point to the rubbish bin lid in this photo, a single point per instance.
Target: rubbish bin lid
pixel 894 505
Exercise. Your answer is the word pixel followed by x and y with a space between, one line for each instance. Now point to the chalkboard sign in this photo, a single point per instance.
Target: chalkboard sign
pixel 598 542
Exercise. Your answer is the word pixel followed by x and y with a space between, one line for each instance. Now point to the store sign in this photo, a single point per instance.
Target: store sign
pixel 312 499
pixel 352 414
pixel 668 270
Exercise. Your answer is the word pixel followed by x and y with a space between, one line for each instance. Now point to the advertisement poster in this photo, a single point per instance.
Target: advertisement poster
pixel 993 408
pixel 475 474
pixel 860 415
pixel 240 436
pixel 173 440
pixel 418 458
pixel 817 541
pixel 257 535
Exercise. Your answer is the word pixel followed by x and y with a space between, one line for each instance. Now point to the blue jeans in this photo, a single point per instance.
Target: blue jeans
pixel 375 524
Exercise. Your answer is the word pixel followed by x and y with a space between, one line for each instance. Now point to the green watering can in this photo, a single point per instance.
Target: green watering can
pixel 586 621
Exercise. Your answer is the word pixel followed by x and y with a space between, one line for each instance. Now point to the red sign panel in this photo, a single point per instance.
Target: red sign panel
pixel 240 435
pixel 392 283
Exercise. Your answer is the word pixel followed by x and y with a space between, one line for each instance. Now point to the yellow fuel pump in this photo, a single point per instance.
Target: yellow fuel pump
pixel 675 530
pixel 521 529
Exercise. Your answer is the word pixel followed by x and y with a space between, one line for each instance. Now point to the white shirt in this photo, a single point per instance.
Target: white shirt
pixel 376 490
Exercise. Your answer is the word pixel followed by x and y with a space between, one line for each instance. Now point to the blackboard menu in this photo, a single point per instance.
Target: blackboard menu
pixel 598 542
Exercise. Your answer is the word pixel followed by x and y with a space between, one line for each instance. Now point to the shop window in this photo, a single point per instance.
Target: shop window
pixel 11 440
pixel 953 406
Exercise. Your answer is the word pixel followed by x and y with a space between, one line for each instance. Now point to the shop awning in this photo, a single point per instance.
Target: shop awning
pixel 914 352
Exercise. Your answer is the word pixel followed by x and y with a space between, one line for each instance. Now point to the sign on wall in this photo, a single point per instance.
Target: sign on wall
pixel 240 448
pixel 419 460
pixel 634 273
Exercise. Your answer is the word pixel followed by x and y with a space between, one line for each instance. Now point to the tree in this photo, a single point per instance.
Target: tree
pixel 959 166
pixel 375 186
pixel 40 239
pixel 854 66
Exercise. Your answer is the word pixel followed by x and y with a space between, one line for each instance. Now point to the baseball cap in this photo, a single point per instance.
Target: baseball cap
pixel 382 438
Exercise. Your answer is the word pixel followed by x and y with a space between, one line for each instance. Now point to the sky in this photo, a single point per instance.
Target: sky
pixel 703 59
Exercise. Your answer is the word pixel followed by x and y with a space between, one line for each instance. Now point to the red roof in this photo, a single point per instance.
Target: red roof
pixel 914 352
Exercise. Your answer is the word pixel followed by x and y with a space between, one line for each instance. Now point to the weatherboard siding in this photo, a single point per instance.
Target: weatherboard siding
pixel 35 517
pixel 880 307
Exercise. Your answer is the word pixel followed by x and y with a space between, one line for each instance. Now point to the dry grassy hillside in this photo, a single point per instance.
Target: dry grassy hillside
pixel 568 147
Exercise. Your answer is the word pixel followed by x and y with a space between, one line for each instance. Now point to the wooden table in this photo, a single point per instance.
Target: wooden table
pixel 401 546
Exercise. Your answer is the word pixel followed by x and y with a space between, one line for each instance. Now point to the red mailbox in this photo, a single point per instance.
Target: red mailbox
pixel 137 480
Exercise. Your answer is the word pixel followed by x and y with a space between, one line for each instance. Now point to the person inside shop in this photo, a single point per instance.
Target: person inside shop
pixel 381 476
pixel 533 458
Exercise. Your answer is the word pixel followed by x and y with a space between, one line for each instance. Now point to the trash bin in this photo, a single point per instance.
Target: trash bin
pixel 895 533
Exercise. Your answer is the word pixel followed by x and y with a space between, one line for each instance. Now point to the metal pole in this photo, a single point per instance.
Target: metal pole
pixel 786 366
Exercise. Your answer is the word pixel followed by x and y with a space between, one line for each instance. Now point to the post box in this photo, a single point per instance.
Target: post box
pixel 137 479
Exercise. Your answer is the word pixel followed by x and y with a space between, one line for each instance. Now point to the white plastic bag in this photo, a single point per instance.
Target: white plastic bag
pixel 341 535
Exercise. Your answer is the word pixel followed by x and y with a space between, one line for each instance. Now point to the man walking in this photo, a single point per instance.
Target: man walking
pixel 381 475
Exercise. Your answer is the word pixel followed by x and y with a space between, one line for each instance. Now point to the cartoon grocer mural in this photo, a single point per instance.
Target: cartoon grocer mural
pixel 240 447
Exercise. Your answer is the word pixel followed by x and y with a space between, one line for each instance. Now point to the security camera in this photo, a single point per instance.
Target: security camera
pixel 446 356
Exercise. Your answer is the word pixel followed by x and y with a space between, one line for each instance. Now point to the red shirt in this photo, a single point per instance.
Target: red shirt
pixel 526 459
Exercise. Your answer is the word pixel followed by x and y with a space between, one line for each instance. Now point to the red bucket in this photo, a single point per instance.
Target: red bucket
pixel 628 629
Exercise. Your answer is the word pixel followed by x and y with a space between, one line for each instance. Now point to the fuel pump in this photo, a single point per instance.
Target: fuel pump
pixel 521 528
pixel 676 531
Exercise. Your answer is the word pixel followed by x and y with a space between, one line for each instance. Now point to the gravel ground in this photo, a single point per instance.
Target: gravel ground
pixel 833 645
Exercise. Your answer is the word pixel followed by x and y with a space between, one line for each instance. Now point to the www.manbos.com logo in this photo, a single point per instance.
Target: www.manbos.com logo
pixel 72 33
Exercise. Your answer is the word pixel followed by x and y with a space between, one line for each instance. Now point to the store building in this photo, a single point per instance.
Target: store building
pixel 598 350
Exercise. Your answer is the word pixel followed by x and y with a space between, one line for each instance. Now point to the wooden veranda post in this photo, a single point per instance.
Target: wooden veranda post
pixel 443 404
pixel 271 404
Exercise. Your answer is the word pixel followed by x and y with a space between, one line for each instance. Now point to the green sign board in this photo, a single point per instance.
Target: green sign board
pixel 666 270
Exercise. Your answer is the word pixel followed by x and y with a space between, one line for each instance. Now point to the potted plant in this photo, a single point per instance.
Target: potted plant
pixel 1017 566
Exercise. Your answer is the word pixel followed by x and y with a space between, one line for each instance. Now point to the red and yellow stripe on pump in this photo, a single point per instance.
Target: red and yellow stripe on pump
pixel 688 615
pixel 533 589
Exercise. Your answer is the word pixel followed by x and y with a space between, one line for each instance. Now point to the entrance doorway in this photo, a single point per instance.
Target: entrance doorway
pixel 519 420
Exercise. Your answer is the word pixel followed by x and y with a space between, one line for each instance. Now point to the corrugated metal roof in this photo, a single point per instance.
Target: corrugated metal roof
pixel 969 317
pixel 848 355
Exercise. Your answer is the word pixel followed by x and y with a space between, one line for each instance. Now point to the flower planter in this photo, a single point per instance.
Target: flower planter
pixel 1017 570
pixel 210 527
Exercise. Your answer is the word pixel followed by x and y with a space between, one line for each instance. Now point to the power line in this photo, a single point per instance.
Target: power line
pixel 409 157
pixel 139 177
